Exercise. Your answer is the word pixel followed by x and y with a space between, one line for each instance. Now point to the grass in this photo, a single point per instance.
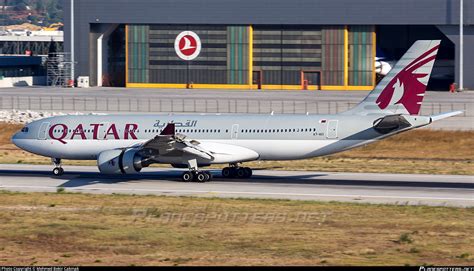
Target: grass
pixel 155 230
pixel 419 151
pixel 405 238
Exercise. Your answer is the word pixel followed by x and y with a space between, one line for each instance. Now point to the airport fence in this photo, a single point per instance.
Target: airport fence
pixel 153 105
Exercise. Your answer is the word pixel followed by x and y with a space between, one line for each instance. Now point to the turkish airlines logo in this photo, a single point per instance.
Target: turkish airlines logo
pixel 187 45
pixel 405 88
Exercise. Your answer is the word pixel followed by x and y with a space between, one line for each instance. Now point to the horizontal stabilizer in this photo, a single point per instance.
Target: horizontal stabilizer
pixel 445 115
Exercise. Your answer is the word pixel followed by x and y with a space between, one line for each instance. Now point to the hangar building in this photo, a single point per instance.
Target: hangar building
pixel 259 44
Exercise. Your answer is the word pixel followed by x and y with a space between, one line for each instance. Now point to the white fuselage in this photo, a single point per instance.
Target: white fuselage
pixel 272 137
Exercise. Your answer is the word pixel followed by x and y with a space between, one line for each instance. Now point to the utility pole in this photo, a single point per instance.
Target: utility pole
pixel 72 42
pixel 4 16
pixel 461 46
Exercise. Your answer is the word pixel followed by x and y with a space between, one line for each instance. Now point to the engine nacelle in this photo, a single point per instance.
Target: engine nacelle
pixel 119 161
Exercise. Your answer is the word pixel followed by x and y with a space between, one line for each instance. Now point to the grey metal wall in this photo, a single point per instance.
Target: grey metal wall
pixel 260 12
pixel 452 32
pixel 283 51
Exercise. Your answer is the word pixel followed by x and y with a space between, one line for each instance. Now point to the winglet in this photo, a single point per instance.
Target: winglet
pixel 445 115
pixel 169 130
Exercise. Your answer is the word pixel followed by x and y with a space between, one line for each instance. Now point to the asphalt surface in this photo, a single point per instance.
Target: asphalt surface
pixel 436 190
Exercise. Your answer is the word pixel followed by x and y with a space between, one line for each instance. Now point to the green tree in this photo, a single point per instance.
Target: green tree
pixel 54 11
pixel 21 5
pixel 40 6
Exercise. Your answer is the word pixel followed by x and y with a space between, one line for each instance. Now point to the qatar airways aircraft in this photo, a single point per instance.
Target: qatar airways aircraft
pixel 124 144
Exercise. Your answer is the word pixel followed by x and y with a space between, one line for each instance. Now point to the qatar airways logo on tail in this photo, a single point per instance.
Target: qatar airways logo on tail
pixel 405 88
pixel 61 132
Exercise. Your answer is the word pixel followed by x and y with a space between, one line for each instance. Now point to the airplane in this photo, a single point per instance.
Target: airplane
pixel 383 66
pixel 124 144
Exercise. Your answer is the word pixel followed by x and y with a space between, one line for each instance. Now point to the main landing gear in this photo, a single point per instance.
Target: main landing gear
pixel 235 171
pixel 195 175
pixel 58 170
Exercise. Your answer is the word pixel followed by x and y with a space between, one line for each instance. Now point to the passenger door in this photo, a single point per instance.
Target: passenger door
pixel 332 129
pixel 102 130
pixel 235 131
pixel 43 131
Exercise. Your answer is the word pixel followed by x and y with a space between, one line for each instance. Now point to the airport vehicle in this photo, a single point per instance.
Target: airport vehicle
pixel 124 144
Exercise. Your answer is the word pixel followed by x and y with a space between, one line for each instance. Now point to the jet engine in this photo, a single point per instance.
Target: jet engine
pixel 127 161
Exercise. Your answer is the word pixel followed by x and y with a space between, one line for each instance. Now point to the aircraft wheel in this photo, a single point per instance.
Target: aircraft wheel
pixel 233 172
pixel 248 172
pixel 57 171
pixel 226 172
pixel 187 176
pixel 202 177
pixel 210 176
pixel 241 173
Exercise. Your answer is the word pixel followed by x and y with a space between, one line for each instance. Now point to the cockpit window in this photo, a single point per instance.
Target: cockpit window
pixel 24 129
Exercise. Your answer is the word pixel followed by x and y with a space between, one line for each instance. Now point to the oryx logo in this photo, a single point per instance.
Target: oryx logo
pixel 405 88
pixel 187 45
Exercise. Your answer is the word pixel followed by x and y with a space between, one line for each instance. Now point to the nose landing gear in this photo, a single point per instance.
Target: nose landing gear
pixel 58 170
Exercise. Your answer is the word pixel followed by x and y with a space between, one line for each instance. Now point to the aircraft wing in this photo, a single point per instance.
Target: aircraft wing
pixel 168 141
pixel 170 144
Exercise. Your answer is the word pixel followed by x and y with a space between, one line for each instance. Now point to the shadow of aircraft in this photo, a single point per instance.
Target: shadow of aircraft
pixel 78 179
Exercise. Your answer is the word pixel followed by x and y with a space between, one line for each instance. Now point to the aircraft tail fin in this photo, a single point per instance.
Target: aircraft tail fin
pixel 402 90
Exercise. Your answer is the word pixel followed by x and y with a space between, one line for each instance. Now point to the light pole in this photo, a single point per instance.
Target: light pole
pixel 72 41
pixel 461 46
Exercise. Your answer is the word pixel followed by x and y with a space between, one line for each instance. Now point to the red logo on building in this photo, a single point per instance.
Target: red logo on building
pixel 187 45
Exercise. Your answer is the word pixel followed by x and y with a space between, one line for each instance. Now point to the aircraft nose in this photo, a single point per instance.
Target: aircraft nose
pixel 15 139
